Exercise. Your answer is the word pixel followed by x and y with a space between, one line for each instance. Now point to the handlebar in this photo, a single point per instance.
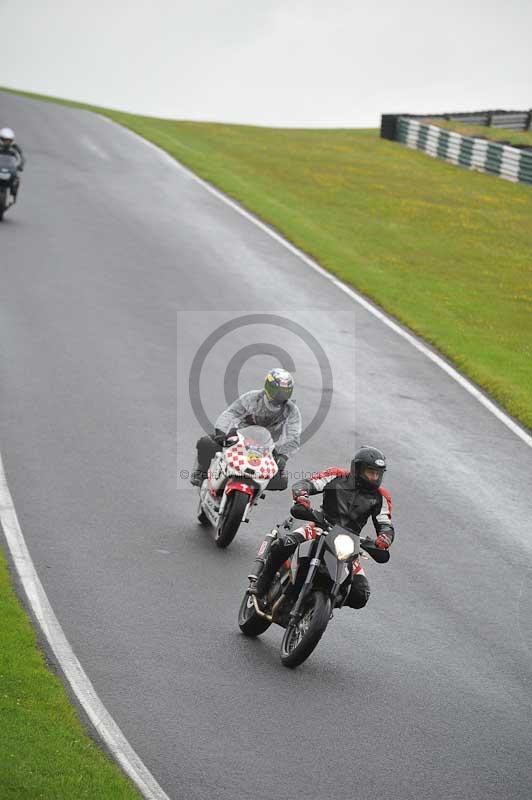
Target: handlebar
pixel 300 512
pixel 378 555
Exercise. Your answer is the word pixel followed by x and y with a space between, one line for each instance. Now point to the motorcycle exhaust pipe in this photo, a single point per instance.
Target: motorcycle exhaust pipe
pixel 274 608
pixel 259 611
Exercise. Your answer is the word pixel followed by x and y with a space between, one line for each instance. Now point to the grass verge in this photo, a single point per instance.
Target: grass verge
pixel 45 754
pixel 446 251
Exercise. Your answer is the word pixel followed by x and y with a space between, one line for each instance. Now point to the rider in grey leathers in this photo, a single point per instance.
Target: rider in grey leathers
pixel 270 407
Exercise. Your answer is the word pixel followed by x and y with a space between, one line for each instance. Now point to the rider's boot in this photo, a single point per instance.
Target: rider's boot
pixel 197 476
pixel 262 555
pixel 273 561
pixel 260 587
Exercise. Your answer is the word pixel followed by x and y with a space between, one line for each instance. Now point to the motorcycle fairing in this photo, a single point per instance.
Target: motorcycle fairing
pixel 338 530
pixel 338 570
pixel 252 453
pixel 302 554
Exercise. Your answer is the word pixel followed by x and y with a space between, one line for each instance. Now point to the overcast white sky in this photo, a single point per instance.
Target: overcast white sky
pixel 272 62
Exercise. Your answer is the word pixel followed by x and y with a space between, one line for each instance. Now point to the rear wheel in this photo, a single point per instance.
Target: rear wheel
pixel 232 517
pixel 251 623
pixel 3 200
pixel 300 639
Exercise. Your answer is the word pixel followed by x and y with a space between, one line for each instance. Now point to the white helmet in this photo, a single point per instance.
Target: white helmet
pixel 7 137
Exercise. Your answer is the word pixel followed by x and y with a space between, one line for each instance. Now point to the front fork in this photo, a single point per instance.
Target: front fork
pixel 315 561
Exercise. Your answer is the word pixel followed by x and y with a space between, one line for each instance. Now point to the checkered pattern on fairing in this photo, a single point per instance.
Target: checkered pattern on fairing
pixel 236 456
pixel 268 468
pixel 237 460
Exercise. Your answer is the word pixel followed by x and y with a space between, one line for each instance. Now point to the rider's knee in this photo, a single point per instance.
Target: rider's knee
pixel 286 543
pixel 206 446
pixel 359 593
pixel 278 484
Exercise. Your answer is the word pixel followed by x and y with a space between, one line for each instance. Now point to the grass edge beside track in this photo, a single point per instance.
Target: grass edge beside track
pixel 45 751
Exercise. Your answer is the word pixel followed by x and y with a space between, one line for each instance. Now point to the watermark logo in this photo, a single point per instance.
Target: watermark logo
pixel 278 354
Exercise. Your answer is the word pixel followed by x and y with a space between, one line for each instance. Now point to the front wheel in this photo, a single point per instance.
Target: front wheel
pixel 3 202
pixel 251 624
pixel 201 516
pixel 232 517
pixel 301 638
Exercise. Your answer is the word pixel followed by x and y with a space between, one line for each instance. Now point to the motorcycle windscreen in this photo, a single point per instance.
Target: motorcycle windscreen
pixel 257 438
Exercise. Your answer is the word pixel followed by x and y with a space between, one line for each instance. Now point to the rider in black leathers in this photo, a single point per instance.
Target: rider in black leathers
pixel 350 497
pixel 8 146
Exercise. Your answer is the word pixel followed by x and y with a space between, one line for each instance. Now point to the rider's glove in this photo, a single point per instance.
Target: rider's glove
pixel 383 541
pixel 231 437
pixel 219 437
pixel 302 500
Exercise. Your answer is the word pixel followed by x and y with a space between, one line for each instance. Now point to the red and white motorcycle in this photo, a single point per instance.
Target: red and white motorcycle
pixel 237 477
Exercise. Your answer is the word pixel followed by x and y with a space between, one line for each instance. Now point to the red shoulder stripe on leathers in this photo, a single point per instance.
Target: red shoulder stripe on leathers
pixel 386 494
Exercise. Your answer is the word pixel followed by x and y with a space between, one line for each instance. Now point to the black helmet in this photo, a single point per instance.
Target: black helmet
pixel 368 457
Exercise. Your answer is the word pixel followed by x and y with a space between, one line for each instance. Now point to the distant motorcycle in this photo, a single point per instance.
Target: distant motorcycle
pixel 8 175
pixel 307 588
pixel 237 477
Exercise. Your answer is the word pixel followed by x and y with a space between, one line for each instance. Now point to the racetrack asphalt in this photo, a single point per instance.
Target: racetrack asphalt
pixel 115 268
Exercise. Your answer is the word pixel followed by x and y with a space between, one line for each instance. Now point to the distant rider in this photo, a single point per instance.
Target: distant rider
pixel 271 408
pixel 9 147
pixel 350 498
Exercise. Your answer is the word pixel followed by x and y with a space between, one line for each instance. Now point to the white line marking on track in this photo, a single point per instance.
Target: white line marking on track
pixel 72 669
pixel 90 145
pixel 352 293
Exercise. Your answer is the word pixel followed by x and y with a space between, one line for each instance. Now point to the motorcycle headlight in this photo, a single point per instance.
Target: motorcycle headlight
pixel 344 546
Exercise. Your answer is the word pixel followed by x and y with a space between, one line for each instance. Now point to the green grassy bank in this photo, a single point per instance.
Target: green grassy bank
pixel 45 754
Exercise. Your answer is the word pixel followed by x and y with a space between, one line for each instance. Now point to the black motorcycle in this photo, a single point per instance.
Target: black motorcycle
pixel 306 590
pixel 8 178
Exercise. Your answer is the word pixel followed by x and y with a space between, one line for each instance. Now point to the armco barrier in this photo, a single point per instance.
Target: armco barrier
pixel 495 118
pixel 512 120
pixel 479 154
